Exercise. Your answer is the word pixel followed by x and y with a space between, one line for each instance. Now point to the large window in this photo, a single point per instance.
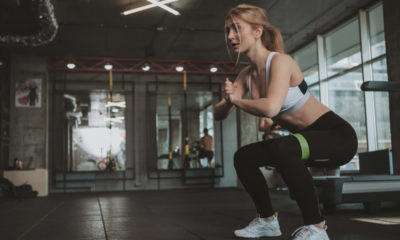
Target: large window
pixel 346 99
pixel 307 59
pixel 376 30
pixel 352 54
pixel 343 48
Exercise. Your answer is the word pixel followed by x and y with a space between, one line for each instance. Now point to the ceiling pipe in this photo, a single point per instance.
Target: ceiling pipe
pixel 46 34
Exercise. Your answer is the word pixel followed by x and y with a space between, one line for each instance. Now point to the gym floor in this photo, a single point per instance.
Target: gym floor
pixel 175 214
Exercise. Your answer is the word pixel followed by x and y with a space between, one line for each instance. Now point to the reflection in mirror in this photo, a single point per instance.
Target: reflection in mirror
pixel 96 131
pixel 176 121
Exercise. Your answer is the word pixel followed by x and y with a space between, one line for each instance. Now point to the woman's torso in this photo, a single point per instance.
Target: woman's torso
pixel 305 115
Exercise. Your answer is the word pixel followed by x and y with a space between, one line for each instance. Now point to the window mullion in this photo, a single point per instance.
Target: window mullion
pixel 322 69
pixel 367 76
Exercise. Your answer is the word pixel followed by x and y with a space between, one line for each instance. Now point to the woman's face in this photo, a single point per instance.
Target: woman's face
pixel 240 35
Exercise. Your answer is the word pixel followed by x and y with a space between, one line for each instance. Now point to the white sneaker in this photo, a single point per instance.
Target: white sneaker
pixel 310 232
pixel 260 228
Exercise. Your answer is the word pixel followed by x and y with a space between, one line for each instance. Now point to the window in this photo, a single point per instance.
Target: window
pixel 307 59
pixel 346 99
pixel 382 117
pixel 346 70
pixel 376 31
pixel 343 48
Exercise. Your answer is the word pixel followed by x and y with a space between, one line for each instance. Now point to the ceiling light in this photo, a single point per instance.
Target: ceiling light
pixel 116 104
pixel 108 66
pixel 71 65
pixel 213 69
pixel 179 68
pixel 146 7
pixel 146 67
pixel 161 5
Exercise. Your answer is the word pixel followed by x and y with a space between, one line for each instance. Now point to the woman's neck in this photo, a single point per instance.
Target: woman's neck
pixel 258 57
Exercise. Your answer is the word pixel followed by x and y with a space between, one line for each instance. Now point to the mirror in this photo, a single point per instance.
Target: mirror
pixel 181 119
pixel 96 131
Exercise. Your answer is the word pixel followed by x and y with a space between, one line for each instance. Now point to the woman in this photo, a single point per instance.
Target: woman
pixel 279 94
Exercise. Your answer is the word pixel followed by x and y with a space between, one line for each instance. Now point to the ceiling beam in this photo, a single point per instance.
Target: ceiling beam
pixel 135 65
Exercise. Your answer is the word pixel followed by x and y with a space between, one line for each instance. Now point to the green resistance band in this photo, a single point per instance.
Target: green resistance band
pixel 305 150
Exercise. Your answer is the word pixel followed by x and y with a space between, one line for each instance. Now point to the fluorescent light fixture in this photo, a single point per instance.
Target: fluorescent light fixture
pixel 161 5
pixel 179 68
pixel 116 104
pixel 146 67
pixel 213 69
pixel 115 119
pixel 108 66
pixel 71 65
pixel 146 7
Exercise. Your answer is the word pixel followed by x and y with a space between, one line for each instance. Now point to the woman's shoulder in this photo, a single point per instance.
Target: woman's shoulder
pixel 283 60
pixel 282 57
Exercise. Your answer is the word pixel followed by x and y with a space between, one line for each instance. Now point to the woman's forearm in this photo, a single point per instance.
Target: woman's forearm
pixel 222 110
pixel 261 107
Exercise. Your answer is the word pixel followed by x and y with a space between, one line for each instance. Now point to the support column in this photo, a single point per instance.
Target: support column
pixel 391 13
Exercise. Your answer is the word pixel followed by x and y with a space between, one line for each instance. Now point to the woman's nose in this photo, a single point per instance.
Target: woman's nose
pixel 231 35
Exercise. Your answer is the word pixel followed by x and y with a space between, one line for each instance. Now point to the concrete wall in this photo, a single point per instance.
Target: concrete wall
pixel 391 12
pixel 29 125
pixel 4 108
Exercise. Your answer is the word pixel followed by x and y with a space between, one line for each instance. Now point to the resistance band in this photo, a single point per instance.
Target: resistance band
pixel 305 150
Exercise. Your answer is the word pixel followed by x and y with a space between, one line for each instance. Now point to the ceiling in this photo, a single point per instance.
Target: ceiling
pixel 96 27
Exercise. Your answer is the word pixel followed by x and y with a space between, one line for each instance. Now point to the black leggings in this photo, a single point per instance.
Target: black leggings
pixel 332 142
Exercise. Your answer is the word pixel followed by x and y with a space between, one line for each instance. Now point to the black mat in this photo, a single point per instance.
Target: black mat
pixel 174 214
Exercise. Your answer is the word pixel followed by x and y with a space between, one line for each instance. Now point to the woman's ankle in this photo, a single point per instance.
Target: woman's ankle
pixel 270 218
pixel 321 225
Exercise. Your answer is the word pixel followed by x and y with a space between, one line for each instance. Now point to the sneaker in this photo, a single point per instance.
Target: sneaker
pixel 310 232
pixel 260 228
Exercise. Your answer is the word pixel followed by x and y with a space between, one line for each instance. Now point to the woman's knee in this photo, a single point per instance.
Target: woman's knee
pixel 239 159
pixel 245 158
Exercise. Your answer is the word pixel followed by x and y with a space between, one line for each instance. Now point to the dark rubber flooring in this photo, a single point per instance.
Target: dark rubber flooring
pixel 174 214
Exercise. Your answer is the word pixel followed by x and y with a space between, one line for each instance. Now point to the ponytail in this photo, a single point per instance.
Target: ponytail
pixel 272 39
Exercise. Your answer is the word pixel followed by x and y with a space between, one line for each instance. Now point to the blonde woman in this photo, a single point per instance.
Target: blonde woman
pixel 279 94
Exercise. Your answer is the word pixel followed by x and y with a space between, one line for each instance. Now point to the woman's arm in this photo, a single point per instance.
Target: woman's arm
pixel 278 87
pixel 225 106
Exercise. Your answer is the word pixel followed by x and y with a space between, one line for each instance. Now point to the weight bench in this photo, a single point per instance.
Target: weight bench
pixel 375 183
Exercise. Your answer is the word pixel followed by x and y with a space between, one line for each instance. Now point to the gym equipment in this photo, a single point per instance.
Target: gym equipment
pixel 381 86
pixel 375 183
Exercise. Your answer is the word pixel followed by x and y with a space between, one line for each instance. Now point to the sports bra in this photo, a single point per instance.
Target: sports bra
pixel 296 97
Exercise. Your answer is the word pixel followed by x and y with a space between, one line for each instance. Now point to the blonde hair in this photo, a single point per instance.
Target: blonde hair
pixel 256 17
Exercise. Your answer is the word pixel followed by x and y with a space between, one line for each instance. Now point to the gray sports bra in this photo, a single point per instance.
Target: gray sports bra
pixel 296 96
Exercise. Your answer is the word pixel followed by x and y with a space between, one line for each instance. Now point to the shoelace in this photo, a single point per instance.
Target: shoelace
pixel 254 221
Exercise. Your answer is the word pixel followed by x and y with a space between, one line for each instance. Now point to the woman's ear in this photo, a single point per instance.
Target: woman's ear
pixel 259 31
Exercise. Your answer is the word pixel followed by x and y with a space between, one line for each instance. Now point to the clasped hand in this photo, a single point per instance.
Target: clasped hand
pixel 230 91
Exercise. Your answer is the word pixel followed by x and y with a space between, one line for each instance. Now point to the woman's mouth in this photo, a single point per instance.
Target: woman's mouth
pixel 235 45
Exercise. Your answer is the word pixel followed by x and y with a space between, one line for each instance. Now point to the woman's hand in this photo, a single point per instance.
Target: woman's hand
pixel 230 91
pixel 265 124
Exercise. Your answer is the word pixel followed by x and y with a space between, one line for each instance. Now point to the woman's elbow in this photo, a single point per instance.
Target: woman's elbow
pixel 271 111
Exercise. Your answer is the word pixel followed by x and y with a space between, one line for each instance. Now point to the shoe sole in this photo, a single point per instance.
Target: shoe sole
pixel 259 236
